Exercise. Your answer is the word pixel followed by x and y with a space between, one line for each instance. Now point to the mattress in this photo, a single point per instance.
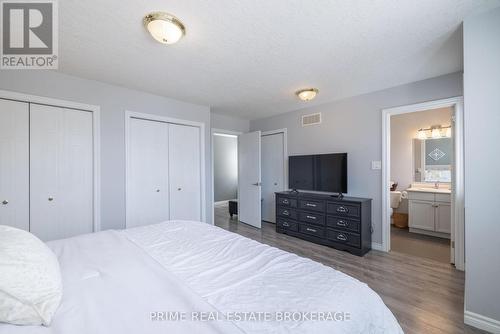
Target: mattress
pixel 190 277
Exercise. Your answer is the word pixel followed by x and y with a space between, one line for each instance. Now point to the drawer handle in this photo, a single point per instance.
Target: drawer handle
pixel 285 201
pixel 341 237
pixel 342 209
pixel 286 224
pixel 5 202
pixel 341 223
pixel 311 229
pixel 285 212
pixel 310 204
pixel 311 217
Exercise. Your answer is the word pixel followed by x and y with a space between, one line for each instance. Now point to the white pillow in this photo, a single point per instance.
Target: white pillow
pixel 30 279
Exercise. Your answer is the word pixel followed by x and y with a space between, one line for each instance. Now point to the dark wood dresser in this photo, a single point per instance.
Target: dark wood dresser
pixel 343 224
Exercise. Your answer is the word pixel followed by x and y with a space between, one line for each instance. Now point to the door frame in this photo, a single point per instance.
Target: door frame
pixel 164 119
pixel 96 139
pixel 457 194
pixel 212 174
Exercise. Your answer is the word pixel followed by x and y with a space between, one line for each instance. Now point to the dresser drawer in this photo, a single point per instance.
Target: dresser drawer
pixel 287 212
pixel 311 205
pixel 342 237
pixel 340 209
pixel 287 224
pixel 314 218
pixel 285 201
pixel 343 224
pixel 312 230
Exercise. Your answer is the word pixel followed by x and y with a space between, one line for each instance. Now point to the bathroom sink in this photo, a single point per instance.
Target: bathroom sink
pixel 430 190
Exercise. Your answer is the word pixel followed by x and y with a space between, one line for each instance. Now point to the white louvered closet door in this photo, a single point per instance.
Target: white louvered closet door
pixel 14 164
pixel 184 172
pixel 148 198
pixel 61 172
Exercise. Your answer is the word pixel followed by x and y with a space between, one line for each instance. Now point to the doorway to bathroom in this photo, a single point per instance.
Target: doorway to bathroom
pixel 423 174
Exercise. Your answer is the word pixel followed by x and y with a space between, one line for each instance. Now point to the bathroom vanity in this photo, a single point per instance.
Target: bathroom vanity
pixel 429 211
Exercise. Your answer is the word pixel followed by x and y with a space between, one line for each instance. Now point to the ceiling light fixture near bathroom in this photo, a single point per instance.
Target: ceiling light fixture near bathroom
pixel 164 27
pixel 307 94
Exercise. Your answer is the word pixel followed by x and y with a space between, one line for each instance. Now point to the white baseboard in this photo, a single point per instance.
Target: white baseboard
pixel 482 322
pixel 377 246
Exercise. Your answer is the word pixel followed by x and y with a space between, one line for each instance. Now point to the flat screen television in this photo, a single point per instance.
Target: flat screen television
pixel 319 172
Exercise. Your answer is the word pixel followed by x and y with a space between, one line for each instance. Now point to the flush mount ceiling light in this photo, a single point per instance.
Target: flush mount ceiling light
pixel 307 94
pixel 164 27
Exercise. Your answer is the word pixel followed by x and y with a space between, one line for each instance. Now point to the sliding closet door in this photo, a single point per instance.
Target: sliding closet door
pixel 14 164
pixel 185 172
pixel 61 172
pixel 147 199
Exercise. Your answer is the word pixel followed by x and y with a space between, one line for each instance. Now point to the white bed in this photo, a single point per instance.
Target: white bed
pixel 115 281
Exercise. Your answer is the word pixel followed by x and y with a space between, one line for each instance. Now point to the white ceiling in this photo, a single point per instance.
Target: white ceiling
pixel 246 58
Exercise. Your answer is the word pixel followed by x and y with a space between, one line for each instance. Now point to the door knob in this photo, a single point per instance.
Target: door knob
pixel 157 190
pixel 179 189
pixel 275 183
pixel 5 202
pixel 50 198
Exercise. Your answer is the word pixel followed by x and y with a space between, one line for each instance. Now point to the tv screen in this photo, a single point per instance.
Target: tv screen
pixel 320 172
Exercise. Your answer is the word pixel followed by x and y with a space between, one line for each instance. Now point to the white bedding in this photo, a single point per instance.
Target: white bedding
pixel 113 280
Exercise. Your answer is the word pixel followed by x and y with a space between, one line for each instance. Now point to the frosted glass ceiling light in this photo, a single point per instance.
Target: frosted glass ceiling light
pixel 164 27
pixel 307 94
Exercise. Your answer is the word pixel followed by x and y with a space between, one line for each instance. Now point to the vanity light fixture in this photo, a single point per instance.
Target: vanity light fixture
pixel 435 132
pixel 307 94
pixel 421 134
pixel 164 27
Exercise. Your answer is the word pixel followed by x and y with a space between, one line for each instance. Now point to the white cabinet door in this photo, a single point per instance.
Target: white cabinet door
pixel 14 164
pixel 147 193
pixel 61 172
pixel 273 178
pixel 249 178
pixel 443 217
pixel 184 172
pixel 421 214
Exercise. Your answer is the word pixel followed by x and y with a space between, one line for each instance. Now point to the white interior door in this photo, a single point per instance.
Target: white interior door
pixel 61 172
pixel 14 164
pixel 273 178
pixel 249 178
pixel 148 193
pixel 185 172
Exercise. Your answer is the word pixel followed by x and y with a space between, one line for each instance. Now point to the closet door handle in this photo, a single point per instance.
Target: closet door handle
pixel 157 190
pixel 50 198
pixel 5 202
pixel 179 189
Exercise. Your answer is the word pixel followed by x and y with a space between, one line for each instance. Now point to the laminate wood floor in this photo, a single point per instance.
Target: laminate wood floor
pixel 426 296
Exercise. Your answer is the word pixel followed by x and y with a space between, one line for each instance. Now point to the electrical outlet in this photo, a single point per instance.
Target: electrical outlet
pixel 376 165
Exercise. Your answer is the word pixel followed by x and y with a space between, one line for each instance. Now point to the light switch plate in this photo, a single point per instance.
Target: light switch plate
pixel 376 165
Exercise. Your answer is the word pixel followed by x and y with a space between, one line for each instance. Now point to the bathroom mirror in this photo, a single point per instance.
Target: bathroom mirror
pixel 432 160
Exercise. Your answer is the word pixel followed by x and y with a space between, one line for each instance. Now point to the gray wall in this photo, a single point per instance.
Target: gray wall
pixel 225 167
pixel 219 121
pixel 354 125
pixel 113 101
pixel 482 159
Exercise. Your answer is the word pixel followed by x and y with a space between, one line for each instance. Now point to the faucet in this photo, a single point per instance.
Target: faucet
pixel 436 185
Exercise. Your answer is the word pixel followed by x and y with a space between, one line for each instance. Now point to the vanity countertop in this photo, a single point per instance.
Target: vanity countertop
pixel 430 190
